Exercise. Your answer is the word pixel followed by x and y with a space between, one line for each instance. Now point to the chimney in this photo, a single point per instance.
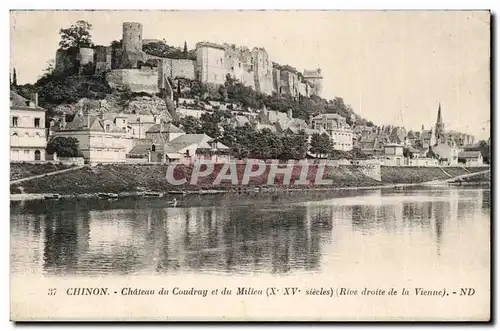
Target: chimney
pixel 35 99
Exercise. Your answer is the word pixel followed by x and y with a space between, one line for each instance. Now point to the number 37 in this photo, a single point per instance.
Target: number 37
pixel 52 291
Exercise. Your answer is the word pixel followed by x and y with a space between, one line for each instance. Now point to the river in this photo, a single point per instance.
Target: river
pixel 443 230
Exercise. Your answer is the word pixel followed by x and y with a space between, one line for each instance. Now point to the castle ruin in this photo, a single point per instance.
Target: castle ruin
pixel 127 64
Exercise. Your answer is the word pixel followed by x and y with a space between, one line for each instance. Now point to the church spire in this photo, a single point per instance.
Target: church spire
pixel 439 132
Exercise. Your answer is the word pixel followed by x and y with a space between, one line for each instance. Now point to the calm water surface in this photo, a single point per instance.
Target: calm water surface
pixel 445 228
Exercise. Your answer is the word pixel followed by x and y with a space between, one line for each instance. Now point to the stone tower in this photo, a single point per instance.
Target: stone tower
pixel 315 78
pixel 210 66
pixel 439 130
pixel 132 45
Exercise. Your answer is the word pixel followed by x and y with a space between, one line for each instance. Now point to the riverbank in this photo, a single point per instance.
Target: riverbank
pixel 133 180
pixel 403 175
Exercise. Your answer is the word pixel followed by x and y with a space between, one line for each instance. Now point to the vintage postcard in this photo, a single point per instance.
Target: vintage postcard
pixel 250 165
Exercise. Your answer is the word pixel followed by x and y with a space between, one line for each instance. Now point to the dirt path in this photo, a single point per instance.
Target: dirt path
pixel 45 175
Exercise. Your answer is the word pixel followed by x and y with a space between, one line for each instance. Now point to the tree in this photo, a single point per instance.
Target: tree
pixel 14 78
pixel 190 125
pixel 64 147
pixel 185 51
pixel 76 36
pixel 321 144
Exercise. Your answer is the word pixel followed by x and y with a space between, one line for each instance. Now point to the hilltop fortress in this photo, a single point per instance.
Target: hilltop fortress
pixel 128 65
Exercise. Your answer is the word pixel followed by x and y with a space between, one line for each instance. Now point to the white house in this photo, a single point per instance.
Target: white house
pixel 101 139
pixel 27 129
pixel 337 128
pixel 447 153
pixel 471 158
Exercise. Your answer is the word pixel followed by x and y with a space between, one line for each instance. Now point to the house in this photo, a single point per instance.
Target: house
pixel 337 128
pixel 471 158
pixel 140 124
pixel 447 153
pixel 101 139
pixel 185 148
pixel 393 154
pixel 393 149
pixel 28 138
pixel 163 132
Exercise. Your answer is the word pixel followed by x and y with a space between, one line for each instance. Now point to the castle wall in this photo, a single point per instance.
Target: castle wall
pixel 315 78
pixel 138 80
pixel 303 89
pixel 178 68
pixel 276 80
pixel 262 67
pixel 86 56
pixel 103 58
pixel 65 60
pixel 210 65
pixel 248 79
pixel 183 68
pixel 289 83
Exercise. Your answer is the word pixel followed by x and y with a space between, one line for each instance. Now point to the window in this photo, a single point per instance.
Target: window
pixel 26 152
pixel 37 123
pixel 108 127
pixel 14 121
pixel 15 134
pixel 37 155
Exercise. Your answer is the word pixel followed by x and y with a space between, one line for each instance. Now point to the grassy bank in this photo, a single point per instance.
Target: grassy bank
pixel 25 169
pixel 131 178
pixel 403 175
pixel 119 178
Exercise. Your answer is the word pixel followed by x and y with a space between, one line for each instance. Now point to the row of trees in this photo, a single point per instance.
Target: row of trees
pixel 245 141
pixel 162 49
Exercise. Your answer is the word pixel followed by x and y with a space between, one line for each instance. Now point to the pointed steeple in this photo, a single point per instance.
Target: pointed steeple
pixel 439 118
pixel 439 131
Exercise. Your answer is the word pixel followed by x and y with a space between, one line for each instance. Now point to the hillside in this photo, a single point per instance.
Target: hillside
pixel 65 92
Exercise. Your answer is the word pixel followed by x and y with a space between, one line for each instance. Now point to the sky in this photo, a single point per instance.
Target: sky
pixel 392 67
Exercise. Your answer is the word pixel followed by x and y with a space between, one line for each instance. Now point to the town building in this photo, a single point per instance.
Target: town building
pixel 184 148
pixel 447 153
pixel 471 158
pixel 337 128
pixel 28 138
pixel 393 154
pixel 101 138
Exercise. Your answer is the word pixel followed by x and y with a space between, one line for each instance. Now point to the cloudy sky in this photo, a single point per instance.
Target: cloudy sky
pixel 392 67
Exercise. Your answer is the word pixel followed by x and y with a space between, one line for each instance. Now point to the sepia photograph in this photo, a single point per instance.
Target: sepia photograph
pixel 271 165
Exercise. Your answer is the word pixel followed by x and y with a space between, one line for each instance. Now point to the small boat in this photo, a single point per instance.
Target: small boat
pixel 108 195
pixel 177 192
pixel 53 197
pixel 153 194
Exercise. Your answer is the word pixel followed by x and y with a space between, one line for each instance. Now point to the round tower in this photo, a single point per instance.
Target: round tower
pixel 132 37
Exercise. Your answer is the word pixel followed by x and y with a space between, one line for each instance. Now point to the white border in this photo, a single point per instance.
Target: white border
pixel 190 4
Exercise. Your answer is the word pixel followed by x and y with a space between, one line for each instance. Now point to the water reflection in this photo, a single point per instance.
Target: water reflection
pixel 294 233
